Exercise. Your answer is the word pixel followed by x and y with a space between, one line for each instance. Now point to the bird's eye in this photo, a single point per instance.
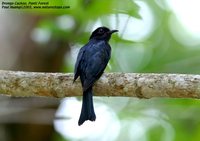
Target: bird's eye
pixel 101 30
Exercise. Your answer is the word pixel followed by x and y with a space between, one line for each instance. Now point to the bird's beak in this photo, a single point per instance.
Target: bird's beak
pixel 113 31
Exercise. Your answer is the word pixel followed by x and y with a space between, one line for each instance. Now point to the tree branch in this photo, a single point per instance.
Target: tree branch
pixel 61 85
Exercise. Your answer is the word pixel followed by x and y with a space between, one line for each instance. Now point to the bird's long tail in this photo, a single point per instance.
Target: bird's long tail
pixel 87 111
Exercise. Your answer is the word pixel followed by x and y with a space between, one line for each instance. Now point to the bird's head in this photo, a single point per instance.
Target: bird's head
pixel 102 33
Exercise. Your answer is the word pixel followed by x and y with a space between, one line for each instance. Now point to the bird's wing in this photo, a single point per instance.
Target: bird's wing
pixel 95 66
pixel 77 65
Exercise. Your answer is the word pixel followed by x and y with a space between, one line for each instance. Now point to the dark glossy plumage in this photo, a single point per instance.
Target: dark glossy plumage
pixel 90 65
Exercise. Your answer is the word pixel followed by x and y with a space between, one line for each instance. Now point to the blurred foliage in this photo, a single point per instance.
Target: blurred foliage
pixel 162 119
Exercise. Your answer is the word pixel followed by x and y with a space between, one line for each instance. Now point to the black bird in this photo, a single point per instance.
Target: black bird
pixel 90 65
